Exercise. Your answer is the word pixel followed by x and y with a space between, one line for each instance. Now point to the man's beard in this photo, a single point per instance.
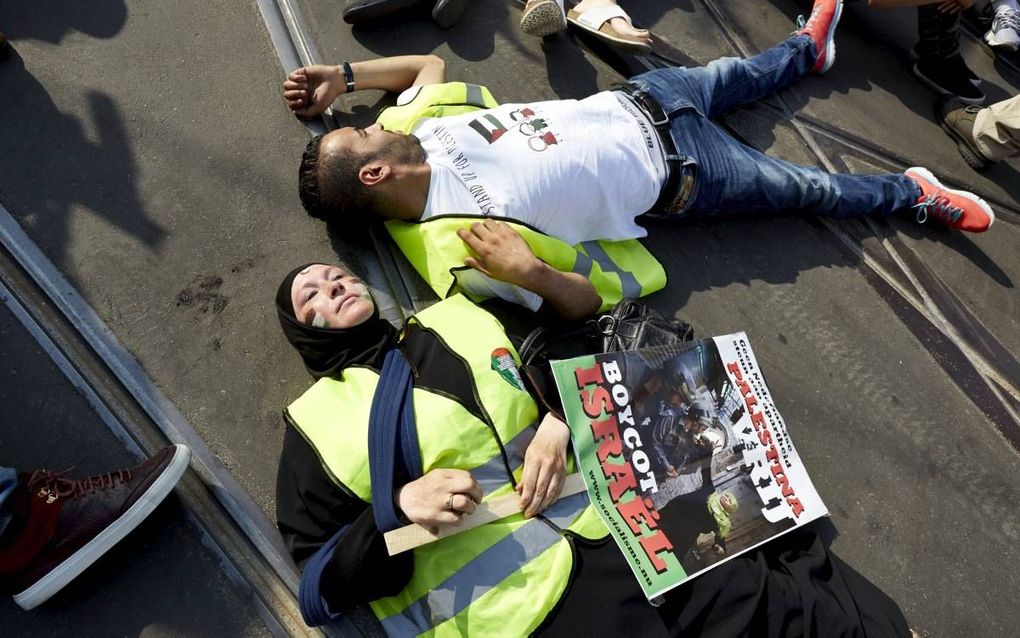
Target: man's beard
pixel 407 150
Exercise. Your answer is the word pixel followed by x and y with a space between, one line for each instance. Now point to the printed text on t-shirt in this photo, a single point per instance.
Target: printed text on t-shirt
pixel 462 164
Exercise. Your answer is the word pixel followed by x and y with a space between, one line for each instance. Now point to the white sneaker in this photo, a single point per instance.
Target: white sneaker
pixel 1005 31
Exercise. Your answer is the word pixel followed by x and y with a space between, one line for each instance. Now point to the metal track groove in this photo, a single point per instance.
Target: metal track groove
pixel 135 410
pixel 916 291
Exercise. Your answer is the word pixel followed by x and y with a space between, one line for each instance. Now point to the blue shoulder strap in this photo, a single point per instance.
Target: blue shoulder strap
pixel 314 609
pixel 392 447
pixel 392 437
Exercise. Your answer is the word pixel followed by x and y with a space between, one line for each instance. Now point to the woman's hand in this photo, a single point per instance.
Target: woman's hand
pixel 440 497
pixel 310 90
pixel 545 466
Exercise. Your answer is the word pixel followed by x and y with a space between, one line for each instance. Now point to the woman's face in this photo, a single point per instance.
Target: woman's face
pixel 330 297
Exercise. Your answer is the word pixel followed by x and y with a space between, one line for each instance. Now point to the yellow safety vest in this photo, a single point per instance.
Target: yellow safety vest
pixel 616 269
pixel 436 100
pixel 498 579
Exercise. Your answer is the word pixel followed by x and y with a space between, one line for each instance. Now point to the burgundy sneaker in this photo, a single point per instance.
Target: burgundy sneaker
pixel 821 27
pixel 68 524
pixel 956 209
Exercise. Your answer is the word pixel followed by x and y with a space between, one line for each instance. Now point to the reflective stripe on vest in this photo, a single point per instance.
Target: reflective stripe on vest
pixel 476 98
pixel 486 570
pixel 628 282
pixel 563 512
pixel 616 269
pixel 491 475
pixel 508 571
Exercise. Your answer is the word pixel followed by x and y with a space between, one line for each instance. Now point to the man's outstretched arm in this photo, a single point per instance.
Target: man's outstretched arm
pixel 310 90
pixel 503 255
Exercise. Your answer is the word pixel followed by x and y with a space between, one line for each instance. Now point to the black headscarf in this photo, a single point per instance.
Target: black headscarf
pixel 327 351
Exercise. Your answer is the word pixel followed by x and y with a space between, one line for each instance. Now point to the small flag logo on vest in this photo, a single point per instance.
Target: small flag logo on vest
pixel 503 363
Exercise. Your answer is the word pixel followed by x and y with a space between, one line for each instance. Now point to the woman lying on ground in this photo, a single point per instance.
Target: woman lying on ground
pixel 552 569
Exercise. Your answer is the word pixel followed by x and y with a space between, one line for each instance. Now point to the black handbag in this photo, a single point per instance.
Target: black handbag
pixel 629 325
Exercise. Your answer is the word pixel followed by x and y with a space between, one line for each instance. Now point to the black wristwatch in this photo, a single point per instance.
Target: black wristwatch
pixel 348 76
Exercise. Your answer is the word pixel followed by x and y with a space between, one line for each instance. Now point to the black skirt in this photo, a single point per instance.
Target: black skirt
pixel 792 586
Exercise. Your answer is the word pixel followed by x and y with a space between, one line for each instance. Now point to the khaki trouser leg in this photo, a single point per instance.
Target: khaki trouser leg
pixel 997 129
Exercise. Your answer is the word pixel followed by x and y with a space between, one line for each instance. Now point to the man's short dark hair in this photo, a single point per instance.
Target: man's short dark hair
pixel 328 184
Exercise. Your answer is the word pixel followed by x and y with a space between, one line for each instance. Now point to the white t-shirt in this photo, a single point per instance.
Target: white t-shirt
pixel 577 170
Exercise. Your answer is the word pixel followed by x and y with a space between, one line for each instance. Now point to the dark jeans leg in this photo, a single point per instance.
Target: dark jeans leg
pixel 734 178
pixel 938 32
pixel 8 481
pixel 728 83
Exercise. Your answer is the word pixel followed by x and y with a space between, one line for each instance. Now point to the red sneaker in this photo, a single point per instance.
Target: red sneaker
pixel 956 209
pixel 821 27
pixel 66 525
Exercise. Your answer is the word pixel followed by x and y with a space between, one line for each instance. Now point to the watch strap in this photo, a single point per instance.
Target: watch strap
pixel 348 76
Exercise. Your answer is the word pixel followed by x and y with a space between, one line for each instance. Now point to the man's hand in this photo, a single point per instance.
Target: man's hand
pixel 955 6
pixel 545 466
pixel 310 90
pixel 671 472
pixel 426 500
pixel 502 252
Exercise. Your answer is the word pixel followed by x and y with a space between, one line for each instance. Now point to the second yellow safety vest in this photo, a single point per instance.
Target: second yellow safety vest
pixel 616 269
pixel 499 579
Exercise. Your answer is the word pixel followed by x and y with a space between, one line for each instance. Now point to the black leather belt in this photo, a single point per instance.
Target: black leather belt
pixel 680 174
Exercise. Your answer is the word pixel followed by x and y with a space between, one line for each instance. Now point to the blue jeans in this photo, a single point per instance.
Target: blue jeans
pixel 8 481
pixel 732 177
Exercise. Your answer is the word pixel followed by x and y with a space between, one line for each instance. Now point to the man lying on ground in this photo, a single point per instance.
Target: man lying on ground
pixel 582 171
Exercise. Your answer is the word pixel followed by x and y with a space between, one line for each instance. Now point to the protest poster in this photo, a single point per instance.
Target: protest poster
pixel 684 455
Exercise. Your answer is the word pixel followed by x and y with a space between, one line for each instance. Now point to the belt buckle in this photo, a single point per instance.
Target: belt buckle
pixel 659 123
pixel 647 102
pixel 686 187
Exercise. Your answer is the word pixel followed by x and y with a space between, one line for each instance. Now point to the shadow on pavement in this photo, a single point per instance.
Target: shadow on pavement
pixel 962 244
pixel 52 20
pixel 700 255
pixel 471 39
pixel 67 163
